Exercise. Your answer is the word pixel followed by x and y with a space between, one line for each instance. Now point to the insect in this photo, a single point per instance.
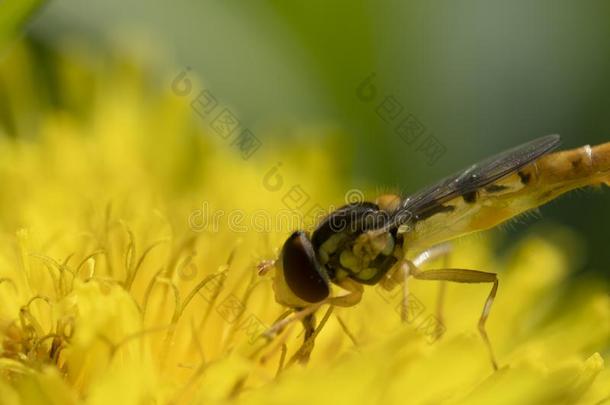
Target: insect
pixel 366 243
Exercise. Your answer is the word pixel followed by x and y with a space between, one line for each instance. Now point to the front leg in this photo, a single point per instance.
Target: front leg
pixel 353 297
pixel 311 332
pixel 307 317
pixel 350 299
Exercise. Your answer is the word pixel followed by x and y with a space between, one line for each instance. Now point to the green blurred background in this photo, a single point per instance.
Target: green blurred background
pixel 480 76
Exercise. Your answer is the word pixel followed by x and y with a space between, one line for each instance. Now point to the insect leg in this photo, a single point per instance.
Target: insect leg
pixel 400 274
pixel 278 326
pixel 395 275
pixel 305 315
pixel 440 305
pixel 404 308
pixel 311 332
pixel 435 252
pixel 264 266
pixel 353 296
pixel 288 317
pixel 346 330
pixel 466 276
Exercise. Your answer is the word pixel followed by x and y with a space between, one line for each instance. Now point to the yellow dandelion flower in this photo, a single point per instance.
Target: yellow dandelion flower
pixel 128 269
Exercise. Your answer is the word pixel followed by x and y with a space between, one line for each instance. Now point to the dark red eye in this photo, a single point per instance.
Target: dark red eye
pixel 302 271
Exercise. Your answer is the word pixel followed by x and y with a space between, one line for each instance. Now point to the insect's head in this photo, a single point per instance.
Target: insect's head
pixel 300 279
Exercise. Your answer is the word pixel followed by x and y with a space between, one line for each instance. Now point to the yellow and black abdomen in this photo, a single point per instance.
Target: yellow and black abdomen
pixel 525 189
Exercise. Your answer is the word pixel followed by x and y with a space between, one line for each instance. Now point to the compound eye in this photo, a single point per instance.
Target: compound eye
pixel 302 271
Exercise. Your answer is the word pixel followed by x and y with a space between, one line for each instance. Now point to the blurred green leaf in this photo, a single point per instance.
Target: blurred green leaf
pixel 13 16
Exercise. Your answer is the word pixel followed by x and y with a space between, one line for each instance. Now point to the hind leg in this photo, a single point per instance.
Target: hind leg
pixel 467 276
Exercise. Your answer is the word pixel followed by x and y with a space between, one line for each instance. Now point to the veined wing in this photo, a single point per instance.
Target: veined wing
pixel 430 200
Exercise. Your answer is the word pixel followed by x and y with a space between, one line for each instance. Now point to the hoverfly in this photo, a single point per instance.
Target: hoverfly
pixel 366 243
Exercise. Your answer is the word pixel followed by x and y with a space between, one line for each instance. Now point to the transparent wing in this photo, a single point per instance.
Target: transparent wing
pixel 473 178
